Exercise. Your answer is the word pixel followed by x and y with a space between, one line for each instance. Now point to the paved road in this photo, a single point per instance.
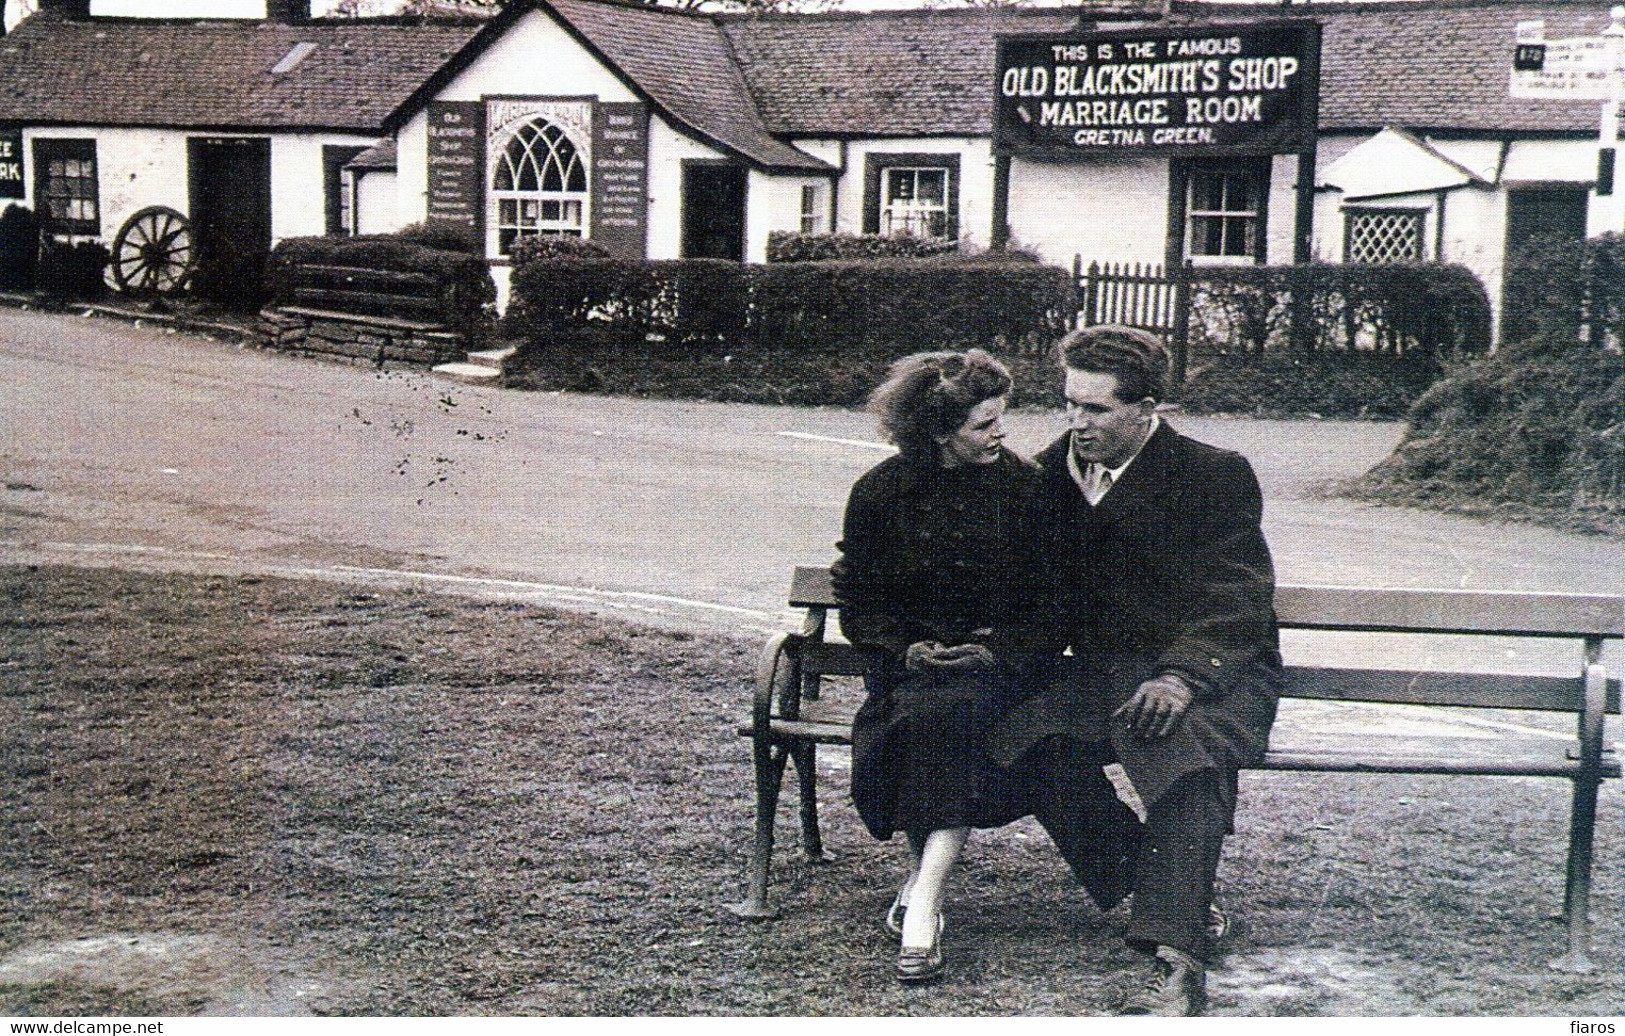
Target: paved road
pixel 127 445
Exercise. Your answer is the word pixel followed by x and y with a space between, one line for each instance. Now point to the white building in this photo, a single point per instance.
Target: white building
pixel 665 134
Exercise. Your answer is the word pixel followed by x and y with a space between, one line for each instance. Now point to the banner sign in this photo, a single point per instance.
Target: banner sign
pixel 620 178
pixel 1241 89
pixel 1575 68
pixel 11 163
pixel 456 162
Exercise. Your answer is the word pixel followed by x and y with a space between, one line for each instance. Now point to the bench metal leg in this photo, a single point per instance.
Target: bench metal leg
pixel 770 761
pixel 1577 894
pixel 806 756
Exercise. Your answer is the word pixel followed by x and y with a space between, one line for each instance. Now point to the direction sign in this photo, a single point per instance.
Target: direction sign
pixel 1576 68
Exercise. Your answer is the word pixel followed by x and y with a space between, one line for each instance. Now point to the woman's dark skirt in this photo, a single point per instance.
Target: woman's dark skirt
pixel 918 762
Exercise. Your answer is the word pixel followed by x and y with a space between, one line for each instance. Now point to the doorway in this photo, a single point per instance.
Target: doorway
pixel 713 211
pixel 231 218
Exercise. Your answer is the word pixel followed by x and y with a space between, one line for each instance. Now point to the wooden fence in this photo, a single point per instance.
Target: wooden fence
pixel 1136 294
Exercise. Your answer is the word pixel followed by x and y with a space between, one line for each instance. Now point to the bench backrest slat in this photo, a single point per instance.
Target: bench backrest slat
pixel 1348 608
pixel 1398 611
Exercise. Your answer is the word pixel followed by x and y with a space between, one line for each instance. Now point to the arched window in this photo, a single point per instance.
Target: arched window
pixel 538 185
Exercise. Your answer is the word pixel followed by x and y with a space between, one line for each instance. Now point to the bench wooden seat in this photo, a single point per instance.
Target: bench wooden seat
pixel 791 717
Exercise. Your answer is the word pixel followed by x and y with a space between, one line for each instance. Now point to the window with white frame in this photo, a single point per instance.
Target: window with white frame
pixel 1383 235
pixel 66 189
pixel 1224 212
pixel 812 208
pixel 538 185
pixel 914 200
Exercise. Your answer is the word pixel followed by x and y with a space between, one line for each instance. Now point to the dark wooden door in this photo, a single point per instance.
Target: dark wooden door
pixel 231 216
pixel 1539 221
pixel 713 212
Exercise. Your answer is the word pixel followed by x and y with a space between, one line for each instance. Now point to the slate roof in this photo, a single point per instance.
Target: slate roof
pixel 380 156
pixel 1441 65
pixel 684 64
pixel 889 73
pixel 194 74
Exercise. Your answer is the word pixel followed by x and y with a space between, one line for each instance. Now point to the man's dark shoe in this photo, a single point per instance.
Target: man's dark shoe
pixel 1176 989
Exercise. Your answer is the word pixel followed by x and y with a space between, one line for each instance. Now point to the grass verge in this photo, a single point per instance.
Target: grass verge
pixel 325 800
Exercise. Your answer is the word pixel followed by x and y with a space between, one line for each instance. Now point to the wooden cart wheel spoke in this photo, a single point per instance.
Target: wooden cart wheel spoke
pixel 153 251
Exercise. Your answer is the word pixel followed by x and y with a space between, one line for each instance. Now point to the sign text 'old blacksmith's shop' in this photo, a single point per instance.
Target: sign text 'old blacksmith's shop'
pixel 1244 89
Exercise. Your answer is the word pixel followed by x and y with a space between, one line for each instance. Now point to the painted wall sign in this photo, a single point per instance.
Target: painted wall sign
pixel 456 162
pixel 1241 89
pixel 11 163
pixel 620 178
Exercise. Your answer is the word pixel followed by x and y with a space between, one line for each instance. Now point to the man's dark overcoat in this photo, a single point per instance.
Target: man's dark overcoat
pixel 1170 573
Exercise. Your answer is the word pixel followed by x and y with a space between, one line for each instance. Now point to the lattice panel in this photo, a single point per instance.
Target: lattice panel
pixel 1385 237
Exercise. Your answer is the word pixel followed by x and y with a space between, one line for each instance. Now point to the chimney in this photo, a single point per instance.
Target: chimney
pixel 76 9
pixel 289 12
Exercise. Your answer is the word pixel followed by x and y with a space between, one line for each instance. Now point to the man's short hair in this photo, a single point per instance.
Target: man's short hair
pixel 1136 357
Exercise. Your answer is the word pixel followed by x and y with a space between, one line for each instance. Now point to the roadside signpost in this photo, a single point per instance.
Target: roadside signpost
pixel 1579 68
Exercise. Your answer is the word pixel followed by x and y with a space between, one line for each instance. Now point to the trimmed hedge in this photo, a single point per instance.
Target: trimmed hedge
pixel 1559 292
pixel 898 305
pixel 1284 384
pixel 785 246
pixel 19 248
pixel 73 271
pixel 1432 310
pixel 468 274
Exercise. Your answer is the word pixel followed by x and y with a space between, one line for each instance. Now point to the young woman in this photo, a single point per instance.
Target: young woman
pixel 929 579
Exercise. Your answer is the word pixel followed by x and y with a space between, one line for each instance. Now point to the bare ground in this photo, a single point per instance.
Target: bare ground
pixel 253 796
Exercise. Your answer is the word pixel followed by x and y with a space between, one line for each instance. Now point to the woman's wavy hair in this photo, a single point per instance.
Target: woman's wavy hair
pixel 927 396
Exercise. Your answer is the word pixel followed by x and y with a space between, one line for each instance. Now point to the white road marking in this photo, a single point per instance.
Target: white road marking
pixel 862 443
pixel 628 600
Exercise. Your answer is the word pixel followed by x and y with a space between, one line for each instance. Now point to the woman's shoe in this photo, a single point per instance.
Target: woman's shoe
pixel 894 918
pixel 917 967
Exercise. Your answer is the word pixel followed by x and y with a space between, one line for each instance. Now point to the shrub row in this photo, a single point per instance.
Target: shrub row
pixel 1558 292
pixel 784 246
pixel 900 305
pixel 1431 310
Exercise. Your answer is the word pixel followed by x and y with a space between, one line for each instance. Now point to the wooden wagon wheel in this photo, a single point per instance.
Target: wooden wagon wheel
pixel 154 253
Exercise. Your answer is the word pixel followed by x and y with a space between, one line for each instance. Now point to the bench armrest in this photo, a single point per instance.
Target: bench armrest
pixel 778 682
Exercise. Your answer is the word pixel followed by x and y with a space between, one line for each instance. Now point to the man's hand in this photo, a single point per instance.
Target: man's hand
pixel 1157 706
pixel 931 655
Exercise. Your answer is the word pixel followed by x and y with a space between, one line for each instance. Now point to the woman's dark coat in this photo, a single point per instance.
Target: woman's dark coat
pixel 931 554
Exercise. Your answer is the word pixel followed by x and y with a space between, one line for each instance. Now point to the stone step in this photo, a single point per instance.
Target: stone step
pixel 491 357
pixel 470 373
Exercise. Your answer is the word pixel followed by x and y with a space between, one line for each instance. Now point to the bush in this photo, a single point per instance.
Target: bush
pixel 1283 384
pixel 1558 291
pixel 19 248
pixel 898 305
pixel 1536 430
pixel 785 377
pixel 784 246
pixel 73 271
pixel 467 274
pixel 1428 310
pixel 446 237
pixel 555 246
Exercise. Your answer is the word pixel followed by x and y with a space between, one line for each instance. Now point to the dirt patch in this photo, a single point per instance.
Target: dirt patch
pixel 211 974
pixel 245 795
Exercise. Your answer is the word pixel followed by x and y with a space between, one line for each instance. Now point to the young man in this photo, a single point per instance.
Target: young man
pixel 1163 589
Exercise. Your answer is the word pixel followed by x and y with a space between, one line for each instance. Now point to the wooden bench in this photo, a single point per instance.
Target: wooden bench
pixel 419 301
pixel 790 718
